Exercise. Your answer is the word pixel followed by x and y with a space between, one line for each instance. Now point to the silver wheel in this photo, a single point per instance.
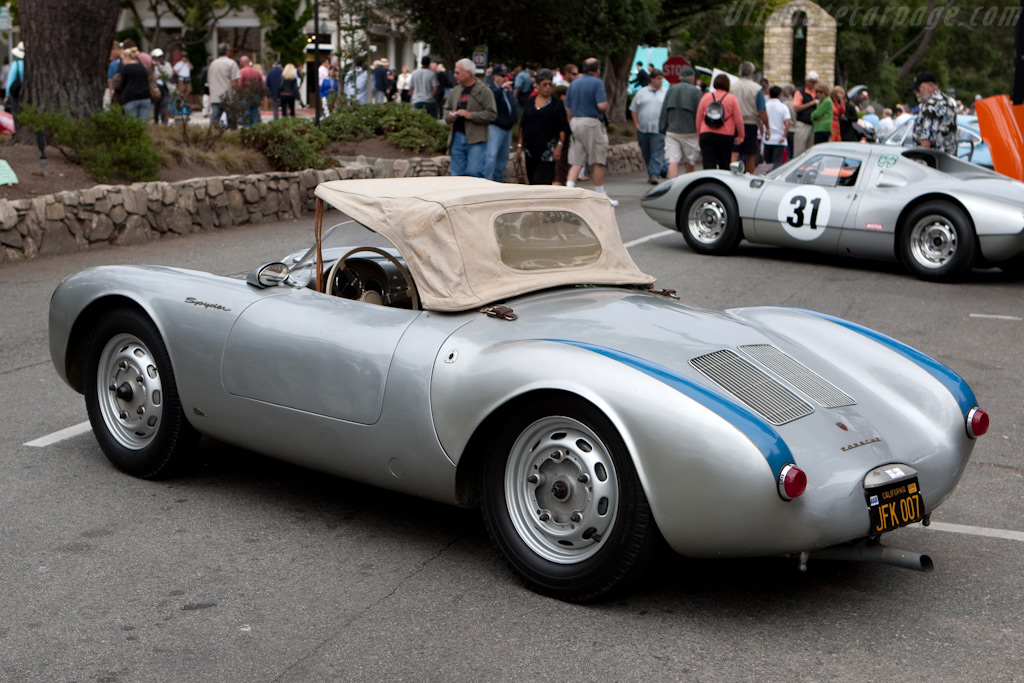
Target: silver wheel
pixel 707 219
pixel 561 489
pixel 933 241
pixel 130 391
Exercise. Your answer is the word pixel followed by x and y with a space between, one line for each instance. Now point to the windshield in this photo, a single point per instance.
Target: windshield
pixel 341 236
pixel 785 169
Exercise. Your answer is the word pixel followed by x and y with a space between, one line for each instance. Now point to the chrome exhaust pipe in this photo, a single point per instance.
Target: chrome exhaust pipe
pixel 869 551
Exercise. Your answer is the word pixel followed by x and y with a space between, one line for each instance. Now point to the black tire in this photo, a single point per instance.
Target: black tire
pixel 937 242
pixel 533 523
pixel 132 398
pixel 709 220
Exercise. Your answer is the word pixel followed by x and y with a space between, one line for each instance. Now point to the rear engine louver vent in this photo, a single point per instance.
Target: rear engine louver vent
pixel 765 396
pixel 804 379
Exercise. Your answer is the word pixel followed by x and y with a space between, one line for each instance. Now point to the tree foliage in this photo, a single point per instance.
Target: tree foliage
pixel 967 44
pixel 287 38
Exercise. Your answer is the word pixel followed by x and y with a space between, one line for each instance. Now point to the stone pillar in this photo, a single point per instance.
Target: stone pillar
pixel 778 43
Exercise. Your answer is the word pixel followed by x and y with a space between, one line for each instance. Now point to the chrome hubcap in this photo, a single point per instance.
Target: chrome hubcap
pixel 706 220
pixel 933 241
pixel 561 489
pixel 130 391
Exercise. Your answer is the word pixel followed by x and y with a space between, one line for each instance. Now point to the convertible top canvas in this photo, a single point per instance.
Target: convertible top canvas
pixel 455 235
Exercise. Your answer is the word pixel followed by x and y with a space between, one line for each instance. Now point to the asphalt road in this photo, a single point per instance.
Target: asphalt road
pixel 252 570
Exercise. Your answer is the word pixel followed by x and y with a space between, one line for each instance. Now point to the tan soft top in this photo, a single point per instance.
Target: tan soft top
pixel 444 229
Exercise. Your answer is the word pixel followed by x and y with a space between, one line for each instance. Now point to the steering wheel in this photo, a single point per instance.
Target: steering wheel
pixel 340 265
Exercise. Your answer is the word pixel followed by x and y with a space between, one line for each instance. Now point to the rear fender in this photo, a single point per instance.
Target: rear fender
pixel 688 458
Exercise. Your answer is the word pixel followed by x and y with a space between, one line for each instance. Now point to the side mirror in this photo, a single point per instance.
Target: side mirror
pixel 268 275
pixel 737 167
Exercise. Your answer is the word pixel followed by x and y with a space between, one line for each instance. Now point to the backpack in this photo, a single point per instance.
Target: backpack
pixel 714 115
pixel 14 92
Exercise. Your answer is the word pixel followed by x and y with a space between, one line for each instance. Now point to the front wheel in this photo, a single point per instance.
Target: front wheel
pixel 132 397
pixel 563 503
pixel 709 220
pixel 937 242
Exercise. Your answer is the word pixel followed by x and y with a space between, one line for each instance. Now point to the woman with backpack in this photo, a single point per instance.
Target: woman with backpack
pixel 719 124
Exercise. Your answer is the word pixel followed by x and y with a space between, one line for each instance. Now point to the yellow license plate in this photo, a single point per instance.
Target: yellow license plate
pixel 894 505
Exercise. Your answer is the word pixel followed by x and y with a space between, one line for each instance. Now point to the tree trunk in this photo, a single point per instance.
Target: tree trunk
pixel 616 82
pixel 67 52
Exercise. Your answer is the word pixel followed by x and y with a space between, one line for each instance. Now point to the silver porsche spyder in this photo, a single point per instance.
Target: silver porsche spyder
pixel 939 215
pixel 506 353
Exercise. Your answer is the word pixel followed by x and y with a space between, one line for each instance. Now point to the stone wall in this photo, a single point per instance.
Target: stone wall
pixel 107 215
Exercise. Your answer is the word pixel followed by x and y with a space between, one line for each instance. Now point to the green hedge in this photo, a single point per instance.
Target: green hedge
pixel 396 122
pixel 108 144
pixel 289 144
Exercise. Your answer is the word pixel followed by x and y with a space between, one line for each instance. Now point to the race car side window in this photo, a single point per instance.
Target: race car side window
pixel 537 240
pixel 826 170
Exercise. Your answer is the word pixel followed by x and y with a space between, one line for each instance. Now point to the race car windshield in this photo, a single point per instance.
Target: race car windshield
pixel 341 236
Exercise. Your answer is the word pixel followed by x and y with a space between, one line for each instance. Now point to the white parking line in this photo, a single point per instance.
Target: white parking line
pixel 63 434
pixel 1004 534
pixel 975 531
pixel 991 316
pixel 648 238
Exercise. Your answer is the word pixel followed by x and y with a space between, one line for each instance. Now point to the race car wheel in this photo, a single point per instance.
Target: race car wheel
pixel 132 398
pixel 937 242
pixel 709 220
pixel 563 503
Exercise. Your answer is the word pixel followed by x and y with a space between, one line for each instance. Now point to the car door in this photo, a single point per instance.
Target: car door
pixel 808 207
pixel 315 353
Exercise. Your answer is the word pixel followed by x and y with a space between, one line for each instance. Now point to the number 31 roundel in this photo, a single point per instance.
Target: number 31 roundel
pixel 804 212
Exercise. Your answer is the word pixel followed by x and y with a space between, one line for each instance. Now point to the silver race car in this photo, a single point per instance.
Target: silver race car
pixel 938 214
pixel 508 354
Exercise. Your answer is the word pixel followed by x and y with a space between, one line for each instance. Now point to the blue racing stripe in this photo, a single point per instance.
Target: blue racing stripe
pixel 775 451
pixel 953 382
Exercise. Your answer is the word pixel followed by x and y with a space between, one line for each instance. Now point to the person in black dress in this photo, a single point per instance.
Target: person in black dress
pixel 542 131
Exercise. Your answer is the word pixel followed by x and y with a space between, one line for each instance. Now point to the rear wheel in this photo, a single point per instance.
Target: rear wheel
pixel 709 220
pixel 563 503
pixel 938 242
pixel 132 398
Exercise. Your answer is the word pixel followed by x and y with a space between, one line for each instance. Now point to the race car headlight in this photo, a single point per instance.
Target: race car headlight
pixel 661 189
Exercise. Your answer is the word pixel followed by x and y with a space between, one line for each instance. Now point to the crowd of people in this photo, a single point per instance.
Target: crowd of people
pixel 739 118
pixel 562 113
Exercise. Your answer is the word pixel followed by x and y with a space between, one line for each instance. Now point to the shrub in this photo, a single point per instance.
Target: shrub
pixel 289 144
pixel 239 98
pixel 398 123
pixel 345 126
pixel 108 144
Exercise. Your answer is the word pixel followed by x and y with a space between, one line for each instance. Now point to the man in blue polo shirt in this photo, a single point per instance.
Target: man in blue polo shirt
pixel 586 103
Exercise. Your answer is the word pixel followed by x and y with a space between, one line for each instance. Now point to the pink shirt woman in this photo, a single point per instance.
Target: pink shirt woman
pixel 716 143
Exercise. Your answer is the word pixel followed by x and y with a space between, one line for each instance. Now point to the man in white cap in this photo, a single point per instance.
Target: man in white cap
pixel 164 80
pixel 15 80
pixel 804 103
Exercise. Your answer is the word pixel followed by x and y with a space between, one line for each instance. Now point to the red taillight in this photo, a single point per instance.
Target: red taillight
pixel 792 482
pixel 977 422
